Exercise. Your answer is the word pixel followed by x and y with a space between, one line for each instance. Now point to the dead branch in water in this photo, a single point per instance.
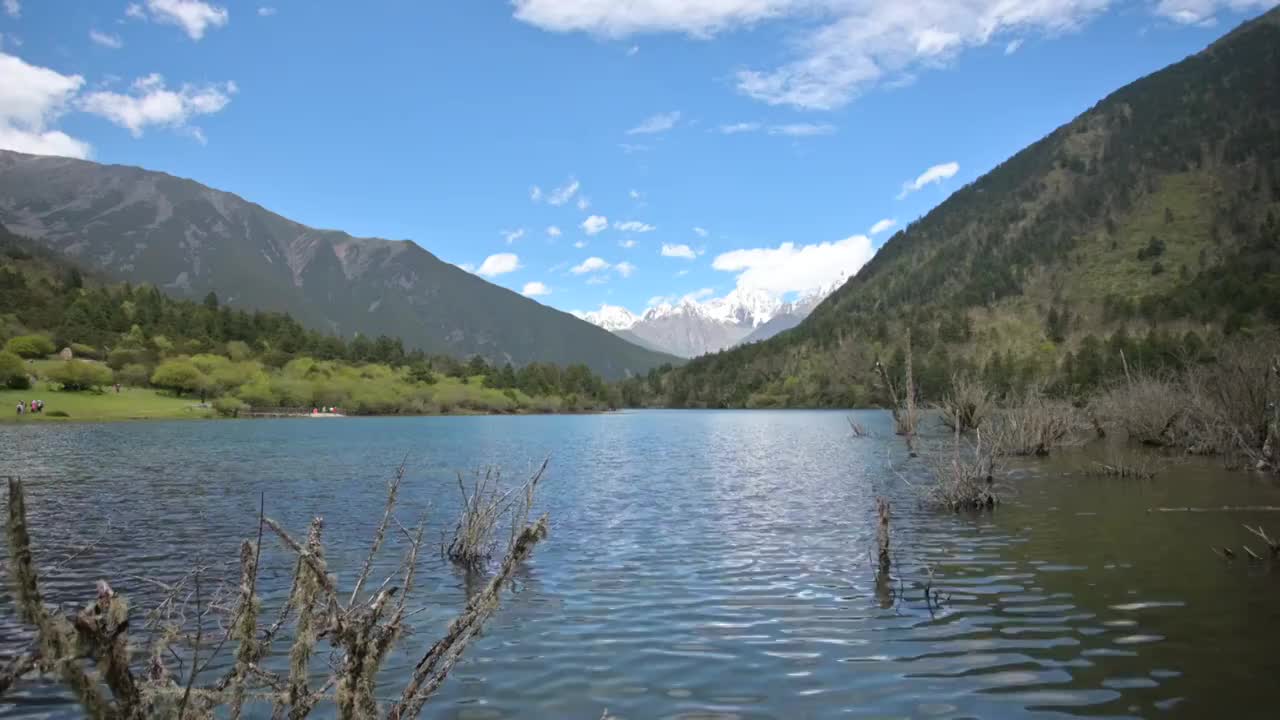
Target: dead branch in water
pixel 1272 545
pixel 964 478
pixel 484 506
pixel 905 413
pixel 361 631
pixel 967 406
pixel 857 428
pixel 1122 469
pixel 882 534
pixel 1035 425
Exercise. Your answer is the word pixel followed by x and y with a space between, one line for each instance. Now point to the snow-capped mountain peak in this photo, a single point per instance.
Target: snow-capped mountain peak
pixel 689 327
pixel 611 318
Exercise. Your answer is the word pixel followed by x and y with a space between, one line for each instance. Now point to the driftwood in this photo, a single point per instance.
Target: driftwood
pixel 361 631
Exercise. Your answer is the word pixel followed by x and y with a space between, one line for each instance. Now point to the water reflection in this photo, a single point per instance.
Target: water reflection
pixel 707 564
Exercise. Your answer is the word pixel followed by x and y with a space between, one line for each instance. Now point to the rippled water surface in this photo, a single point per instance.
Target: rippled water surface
pixel 707 564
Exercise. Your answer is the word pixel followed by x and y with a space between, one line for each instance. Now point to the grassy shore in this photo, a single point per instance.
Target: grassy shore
pixel 128 404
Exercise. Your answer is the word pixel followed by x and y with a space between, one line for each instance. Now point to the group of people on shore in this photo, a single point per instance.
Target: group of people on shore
pixel 34 407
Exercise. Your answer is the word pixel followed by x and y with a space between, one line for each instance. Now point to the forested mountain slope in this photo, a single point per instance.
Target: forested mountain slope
pixel 1154 211
pixel 188 239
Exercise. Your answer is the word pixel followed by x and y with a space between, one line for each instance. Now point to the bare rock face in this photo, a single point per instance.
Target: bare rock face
pixel 188 240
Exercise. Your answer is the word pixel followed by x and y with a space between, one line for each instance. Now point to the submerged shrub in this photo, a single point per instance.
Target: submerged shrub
pixel 1035 425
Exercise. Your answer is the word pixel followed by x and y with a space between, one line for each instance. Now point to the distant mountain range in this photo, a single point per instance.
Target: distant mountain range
pixel 188 239
pixel 689 328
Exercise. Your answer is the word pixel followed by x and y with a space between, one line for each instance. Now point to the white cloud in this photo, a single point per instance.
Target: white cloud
pixel 553 231
pixel 564 193
pixel 791 268
pixel 266 11
pixel 193 16
pixel 803 129
pixel 883 225
pixel 13 8
pixel 631 51
pixel 628 243
pixel 595 224
pixel 580 244
pixel 678 251
pixel 935 174
pixel 742 127
pixel 535 289
pixel 31 99
pixel 535 193
pixel 591 264
pixel 499 264
pixel 1013 46
pixel 634 194
pixel 106 39
pixel 512 235
pixel 618 19
pixel 151 103
pixel 624 269
pixel 845 48
pixel 659 123
pixel 633 226
pixel 700 231
pixel 1202 12
pixel 584 202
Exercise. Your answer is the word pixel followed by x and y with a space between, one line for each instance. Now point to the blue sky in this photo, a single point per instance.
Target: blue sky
pixel 708 144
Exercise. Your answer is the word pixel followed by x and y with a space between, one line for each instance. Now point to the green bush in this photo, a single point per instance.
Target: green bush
pixel 13 372
pixel 134 375
pixel 81 350
pixel 120 357
pixel 230 406
pixel 79 375
pixel 30 346
pixel 180 376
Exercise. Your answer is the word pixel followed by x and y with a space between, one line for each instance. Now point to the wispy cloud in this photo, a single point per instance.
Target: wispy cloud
pixel 584 202
pixel 151 102
pixel 595 224
pixel 1013 46
pixel 882 226
pixel 13 8
pixel 106 40
pixel 678 251
pixel 791 268
pixel 701 232
pixel 633 226
pixel 935 174
pixel 564 193
pixel 624 269
pixel 788 129
pixel 803 129
pixel 590 265
pixel 266 11
pixel 628 243
pixel 535 289
pixel 660 123
pixel 535 193
pixel 193 16
pixel 499 264
pixel 512 235
pixel 553 231
pixel 846 47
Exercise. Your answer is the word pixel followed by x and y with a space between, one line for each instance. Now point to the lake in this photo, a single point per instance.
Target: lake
pixel 705 564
